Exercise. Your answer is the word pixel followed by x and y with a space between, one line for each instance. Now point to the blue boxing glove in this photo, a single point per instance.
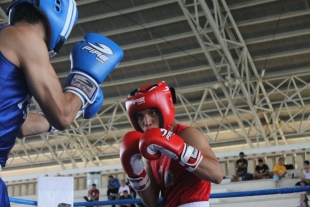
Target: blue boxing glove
pixel 92 59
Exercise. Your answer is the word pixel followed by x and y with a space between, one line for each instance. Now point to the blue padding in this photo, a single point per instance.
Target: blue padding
pixel 260 192
pixel 214 195
pixel 110 202
pixel 23 201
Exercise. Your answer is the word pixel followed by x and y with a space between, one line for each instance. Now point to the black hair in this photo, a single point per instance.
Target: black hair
pixel 241 153
pixel 173 93
pixel 93 184
pixel 306 162
pixel 26 12
pixel 260 160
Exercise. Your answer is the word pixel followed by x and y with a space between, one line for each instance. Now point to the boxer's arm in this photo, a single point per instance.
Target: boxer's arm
pixel 150 195
pixel 29 52
pixel 209 168
pixel 34 124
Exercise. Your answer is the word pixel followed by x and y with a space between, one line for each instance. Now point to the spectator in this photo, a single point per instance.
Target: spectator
pixel 126 196
pixel 261 170
pixel 93 194
pixel 304 201
pixel 305 174
pixel 279 171
pixel 113 187
pixel 123 188
pixel 242 167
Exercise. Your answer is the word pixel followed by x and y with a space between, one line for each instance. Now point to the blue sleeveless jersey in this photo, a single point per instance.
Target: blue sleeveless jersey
pixel 4 197
pixel 15 99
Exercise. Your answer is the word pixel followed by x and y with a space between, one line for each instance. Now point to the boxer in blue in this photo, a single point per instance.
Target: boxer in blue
pixel 36 31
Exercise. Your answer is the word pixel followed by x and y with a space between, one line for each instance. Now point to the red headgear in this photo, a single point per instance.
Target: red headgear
pixel 158 96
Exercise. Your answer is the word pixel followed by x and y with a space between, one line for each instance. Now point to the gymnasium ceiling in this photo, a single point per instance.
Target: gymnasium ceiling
pixel 240 69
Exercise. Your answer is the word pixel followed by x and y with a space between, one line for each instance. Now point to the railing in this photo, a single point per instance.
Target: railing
pixel 294 154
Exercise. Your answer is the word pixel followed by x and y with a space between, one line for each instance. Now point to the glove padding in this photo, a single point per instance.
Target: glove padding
pixel 92 109
pixel 132 161
pixel 157 141
pixel 92 59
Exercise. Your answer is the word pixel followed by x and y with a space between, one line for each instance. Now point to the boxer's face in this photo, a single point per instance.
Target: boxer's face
pixel 148 119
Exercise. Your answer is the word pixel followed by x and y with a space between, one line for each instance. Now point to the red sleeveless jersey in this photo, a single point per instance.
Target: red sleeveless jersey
pixel 178 186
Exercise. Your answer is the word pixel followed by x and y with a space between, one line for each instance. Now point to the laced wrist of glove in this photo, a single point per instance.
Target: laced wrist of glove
pixel 82 85
pixel 140 183
pixel 190 157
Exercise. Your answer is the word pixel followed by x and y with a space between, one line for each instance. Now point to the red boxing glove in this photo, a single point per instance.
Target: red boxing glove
pixel 132 161
pixel 157 141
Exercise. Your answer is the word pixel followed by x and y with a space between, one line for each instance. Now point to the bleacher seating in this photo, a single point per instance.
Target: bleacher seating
pixel 282 200
pixel 24 186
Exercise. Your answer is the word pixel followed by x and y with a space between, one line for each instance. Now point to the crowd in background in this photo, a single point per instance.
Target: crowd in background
pixel 279 171
pixel 116 191
pixel 262 171
pixel 122 190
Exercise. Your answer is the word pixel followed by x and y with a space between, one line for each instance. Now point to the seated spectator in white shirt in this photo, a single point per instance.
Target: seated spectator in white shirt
pixel 304 174
pixel 122 188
